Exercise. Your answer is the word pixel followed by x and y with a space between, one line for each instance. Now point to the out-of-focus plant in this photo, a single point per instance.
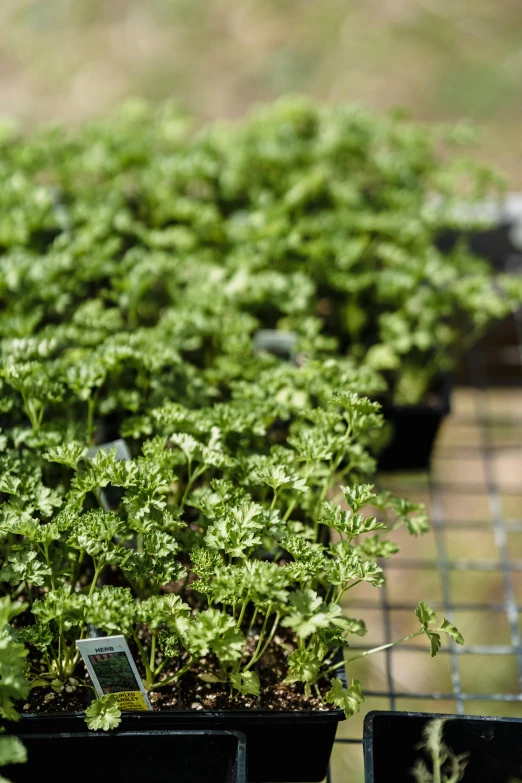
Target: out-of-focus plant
pixel 135 231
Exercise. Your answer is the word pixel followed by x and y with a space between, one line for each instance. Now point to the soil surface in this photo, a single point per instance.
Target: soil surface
pixel 193 692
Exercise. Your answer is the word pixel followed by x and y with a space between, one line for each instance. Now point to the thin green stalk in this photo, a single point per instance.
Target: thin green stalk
pixel 386 646
pixel 274 501
pixel 149 677
pixel 289 510
pixel 169 680
pixel 260 640
pixel 159 668
pixel 152 650
pixel 243 609
pixel 91 406
pixel 270 637
pixel 318 692
pixel 370 652
pixel 97 572
pixel 252 621
pixel 192 477
pixel 342 592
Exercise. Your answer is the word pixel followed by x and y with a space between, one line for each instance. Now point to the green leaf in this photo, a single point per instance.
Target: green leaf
pixel 303 666
pixel 68 454
pixel 237 530
pixel 358 495
pixel 378 547
pixel 12 751
pixel 348 699
pixel 279 477
pixel 104 713
pixel 425 614
pixel 169 644
pixel 348 522
pixel 13 684
pixel 354 402
pixel 435 643
pixel 247 683
pixel 212 631
pixel 25 567
pixel 450 629
pixel 310 613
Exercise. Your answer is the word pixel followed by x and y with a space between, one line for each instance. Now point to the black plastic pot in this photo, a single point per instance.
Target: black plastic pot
pixel 291 747
pixel 496 358
pixel 493 745
pixel 129 755
pixel 414 429
pixel 499 243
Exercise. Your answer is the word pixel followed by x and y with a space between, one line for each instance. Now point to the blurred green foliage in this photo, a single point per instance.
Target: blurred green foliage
pixel 304 218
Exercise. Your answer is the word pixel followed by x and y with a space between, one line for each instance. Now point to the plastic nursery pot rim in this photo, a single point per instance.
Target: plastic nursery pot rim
pixel 198 716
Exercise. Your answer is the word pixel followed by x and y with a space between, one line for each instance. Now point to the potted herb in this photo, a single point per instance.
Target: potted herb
pixel 211 565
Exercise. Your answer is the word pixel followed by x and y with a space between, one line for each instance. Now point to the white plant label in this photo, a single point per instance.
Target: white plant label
pixel 112 669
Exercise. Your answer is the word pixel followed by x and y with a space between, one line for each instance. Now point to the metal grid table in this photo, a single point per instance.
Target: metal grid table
pixel 469 570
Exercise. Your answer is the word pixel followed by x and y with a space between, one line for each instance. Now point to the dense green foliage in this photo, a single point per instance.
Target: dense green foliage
pixel 223 501
pixel 320 220
pixel 137 264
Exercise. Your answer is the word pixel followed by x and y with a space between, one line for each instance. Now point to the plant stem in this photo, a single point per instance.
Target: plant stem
pixel 370 652
pixel 97 572
pixel 260 640
pixel 342 592
pixel 190 480
pixel 270 637
pixel 153 650
pixel 242 613
pixel 436 770
pixel 252 621
pixel 149 676
pixel 91 405
pixel 169 680
pixel 290 508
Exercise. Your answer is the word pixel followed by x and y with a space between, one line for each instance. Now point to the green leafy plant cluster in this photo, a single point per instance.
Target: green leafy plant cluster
pixel 131 287
pixel 217 543
pixel 323 221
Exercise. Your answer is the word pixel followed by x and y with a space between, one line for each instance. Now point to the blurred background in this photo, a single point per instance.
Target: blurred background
pixel 73 59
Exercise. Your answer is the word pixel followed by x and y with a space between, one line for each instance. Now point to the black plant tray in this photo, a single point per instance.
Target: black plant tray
pixel 133 755
pixel 283 746
pixel 494 745
pixel 414 429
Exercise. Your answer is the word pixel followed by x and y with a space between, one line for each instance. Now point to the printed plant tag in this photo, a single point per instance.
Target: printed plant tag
pixel 112 669
pixel 122 450
pixel 276 341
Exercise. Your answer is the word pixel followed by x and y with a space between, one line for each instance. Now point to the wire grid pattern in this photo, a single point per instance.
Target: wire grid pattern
pixel 474 495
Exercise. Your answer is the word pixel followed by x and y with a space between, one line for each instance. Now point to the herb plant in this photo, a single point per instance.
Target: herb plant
pixel 138 264
pixel 323 221
pixel 223 509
